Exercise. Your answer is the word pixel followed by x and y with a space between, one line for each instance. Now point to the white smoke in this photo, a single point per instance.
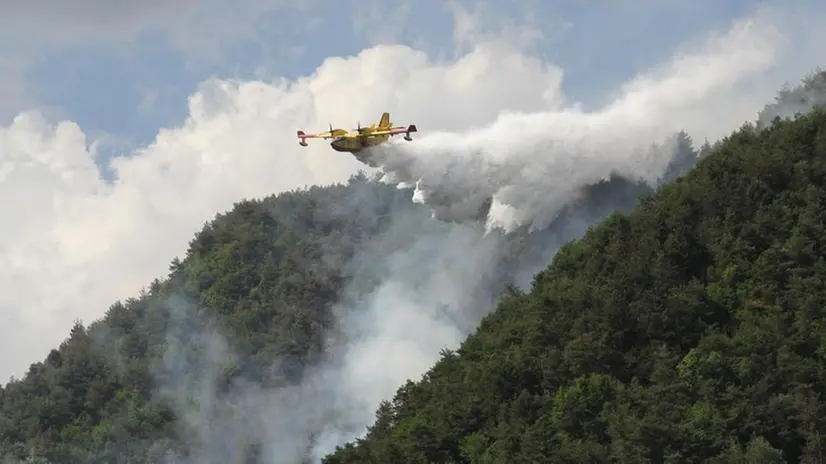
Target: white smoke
pixel 529 166
pixel 521 171
pixel 434 296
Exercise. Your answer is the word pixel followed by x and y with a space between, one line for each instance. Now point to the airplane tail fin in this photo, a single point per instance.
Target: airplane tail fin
pixel 384 122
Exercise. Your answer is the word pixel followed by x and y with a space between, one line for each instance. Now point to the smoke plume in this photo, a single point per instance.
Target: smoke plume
pixel 525 168
pixel 506 197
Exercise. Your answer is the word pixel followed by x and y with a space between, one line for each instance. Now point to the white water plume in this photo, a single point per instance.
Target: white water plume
pixel 520 170
pixel 527 167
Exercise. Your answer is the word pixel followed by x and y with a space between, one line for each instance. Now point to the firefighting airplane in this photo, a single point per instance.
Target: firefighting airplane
pixel 361 138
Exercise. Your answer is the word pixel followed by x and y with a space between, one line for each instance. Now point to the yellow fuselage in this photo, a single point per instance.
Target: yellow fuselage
pixel 356 144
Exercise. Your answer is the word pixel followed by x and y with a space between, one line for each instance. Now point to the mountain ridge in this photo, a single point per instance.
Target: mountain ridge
pixel 640 342
pixel 220 360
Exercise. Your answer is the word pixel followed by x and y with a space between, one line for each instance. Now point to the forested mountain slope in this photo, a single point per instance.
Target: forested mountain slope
pixel 252 302
pixel 258 302
pixel 692 329
pixel 264 275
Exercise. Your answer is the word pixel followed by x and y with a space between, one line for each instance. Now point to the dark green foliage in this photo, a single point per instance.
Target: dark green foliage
pixel 691 330
pixel 265 276
pixel 800 99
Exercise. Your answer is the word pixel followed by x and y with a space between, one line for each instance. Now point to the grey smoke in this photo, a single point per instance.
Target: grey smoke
pixel 438 287
pixel 507 197
pixel 799 99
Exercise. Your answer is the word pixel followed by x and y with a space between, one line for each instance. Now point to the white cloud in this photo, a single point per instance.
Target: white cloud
pixel 531 166
pixel 479 21
pixel 72 244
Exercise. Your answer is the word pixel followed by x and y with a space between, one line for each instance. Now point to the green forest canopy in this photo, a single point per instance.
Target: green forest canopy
pixel 688 330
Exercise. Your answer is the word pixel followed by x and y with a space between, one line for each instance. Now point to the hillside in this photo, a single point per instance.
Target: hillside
pixel 245 351
pixel 241 318
pixel 691 329
pixel 264 276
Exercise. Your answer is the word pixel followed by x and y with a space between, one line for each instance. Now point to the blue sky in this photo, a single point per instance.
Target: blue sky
pixel 131 88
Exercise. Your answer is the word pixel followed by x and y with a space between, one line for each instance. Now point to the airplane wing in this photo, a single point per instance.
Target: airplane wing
pixel 335 133
pixel 395 131
pixel 323 135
